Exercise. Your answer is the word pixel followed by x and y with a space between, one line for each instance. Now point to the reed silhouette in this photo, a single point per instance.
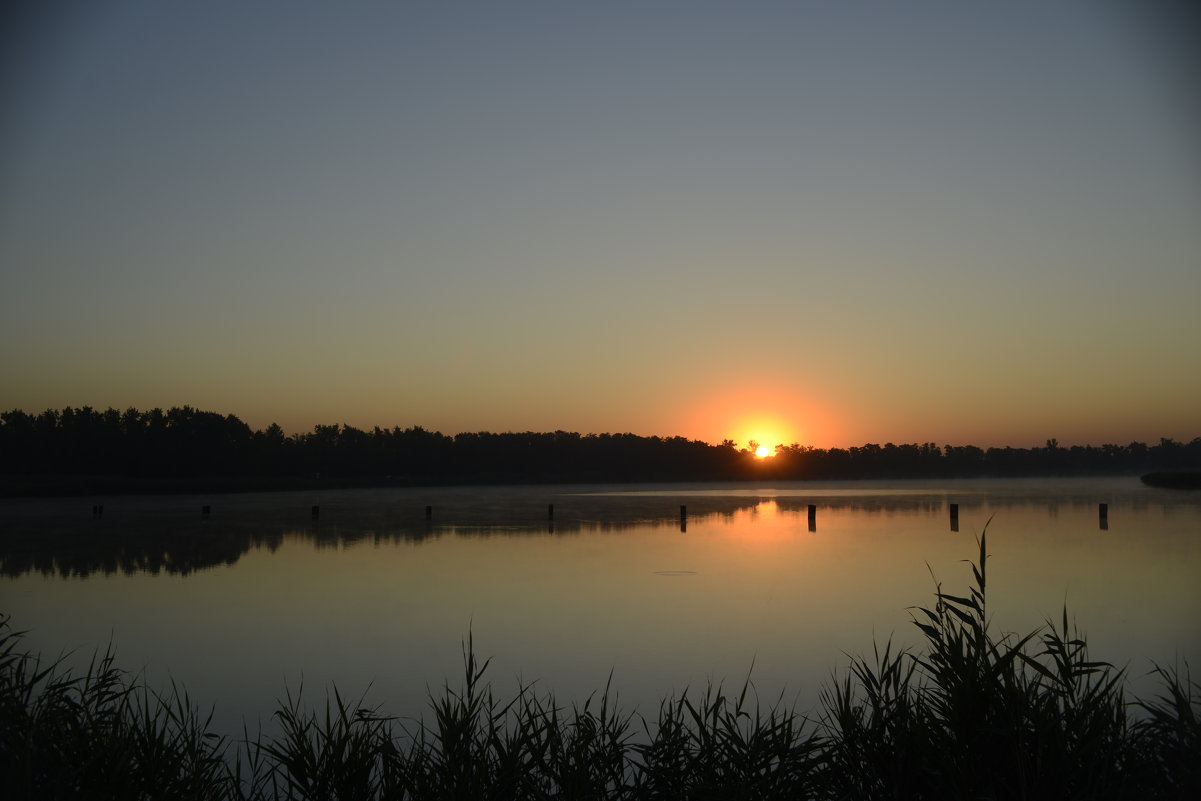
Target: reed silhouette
pixel 969 715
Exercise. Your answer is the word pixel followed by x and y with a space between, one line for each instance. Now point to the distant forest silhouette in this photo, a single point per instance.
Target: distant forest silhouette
pixel 85 450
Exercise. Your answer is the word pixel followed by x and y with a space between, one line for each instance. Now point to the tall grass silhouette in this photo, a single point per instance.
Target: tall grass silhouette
pixel 968 714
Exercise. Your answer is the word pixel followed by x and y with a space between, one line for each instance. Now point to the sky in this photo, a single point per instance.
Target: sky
pixel 829 223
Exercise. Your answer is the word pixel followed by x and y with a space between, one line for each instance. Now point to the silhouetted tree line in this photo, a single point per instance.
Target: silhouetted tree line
pixel 928 460
pixel 185 444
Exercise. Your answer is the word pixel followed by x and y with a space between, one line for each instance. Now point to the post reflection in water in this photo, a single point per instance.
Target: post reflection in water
pixel 259 593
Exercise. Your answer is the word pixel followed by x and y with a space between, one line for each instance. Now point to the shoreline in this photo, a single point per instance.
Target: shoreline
pixel 81 486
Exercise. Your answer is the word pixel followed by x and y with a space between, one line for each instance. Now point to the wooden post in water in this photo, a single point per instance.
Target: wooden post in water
pixel 813 517
pixel 316 511
pixel 205 510
pixel 683 518
pixel 954 517
pixel 1103 516
pixel 550 511
pixel 429 513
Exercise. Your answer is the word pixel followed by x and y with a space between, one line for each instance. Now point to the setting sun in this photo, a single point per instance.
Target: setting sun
pixel 763 451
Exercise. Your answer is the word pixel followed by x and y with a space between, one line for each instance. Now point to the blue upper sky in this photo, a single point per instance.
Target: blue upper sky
pixel 843 221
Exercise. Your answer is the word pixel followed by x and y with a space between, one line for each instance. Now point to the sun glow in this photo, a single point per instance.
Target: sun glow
pixel 761 433
pixel 748 409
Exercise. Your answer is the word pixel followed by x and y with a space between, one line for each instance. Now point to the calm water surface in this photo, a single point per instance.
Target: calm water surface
pixel 374 597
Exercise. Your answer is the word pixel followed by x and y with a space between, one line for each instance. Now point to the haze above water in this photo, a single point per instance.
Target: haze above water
pixel 379 600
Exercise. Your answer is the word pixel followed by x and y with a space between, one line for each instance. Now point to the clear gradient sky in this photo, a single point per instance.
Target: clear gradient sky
pixel 823 222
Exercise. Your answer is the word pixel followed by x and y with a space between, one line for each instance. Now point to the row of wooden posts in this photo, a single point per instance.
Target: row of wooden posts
pixel 207 510
pixel 1102 516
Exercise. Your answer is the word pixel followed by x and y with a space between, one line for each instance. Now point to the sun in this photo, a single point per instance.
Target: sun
pixel 763 451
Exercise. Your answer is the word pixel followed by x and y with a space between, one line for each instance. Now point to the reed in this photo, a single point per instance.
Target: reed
pixel 101 734
pixel 976 715
pixel 968 714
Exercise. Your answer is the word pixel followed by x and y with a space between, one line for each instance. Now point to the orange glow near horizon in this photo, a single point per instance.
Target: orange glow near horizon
pixel 766 415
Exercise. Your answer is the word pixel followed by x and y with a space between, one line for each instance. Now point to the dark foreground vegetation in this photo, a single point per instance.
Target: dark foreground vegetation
pixel 968 715
pixel 86 451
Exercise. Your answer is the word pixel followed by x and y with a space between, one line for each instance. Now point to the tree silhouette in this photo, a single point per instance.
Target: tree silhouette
pixel 72 449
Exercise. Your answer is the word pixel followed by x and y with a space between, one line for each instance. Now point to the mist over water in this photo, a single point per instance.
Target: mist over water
pixel 374 596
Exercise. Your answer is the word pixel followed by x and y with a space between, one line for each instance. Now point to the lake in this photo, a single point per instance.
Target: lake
pixel 259 595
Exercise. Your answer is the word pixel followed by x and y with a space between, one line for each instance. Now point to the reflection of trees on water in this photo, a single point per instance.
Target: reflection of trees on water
pixel 108 551
pixel 892 505
pixel 170 536
pixel 165 543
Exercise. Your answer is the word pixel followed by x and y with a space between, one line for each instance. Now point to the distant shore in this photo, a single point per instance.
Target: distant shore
pixel 1178 480
pixel 85 451
pixel 79 486
pixel 74 486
